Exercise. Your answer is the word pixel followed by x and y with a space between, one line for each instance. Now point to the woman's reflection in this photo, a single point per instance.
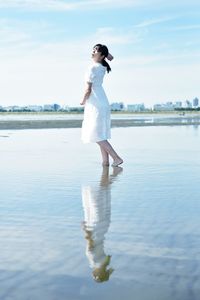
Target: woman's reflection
pixel 96 199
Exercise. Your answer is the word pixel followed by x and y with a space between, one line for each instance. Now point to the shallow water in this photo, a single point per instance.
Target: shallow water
pixel 64 219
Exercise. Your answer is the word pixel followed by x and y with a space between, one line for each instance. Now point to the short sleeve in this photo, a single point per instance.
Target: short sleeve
pixel 90 74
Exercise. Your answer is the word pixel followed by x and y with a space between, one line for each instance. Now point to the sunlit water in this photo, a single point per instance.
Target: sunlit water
pixel 71 229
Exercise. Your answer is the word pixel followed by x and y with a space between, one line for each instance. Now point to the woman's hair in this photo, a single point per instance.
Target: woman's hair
pixel 104 51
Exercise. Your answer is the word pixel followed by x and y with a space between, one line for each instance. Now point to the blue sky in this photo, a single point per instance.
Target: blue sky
pixel 45 48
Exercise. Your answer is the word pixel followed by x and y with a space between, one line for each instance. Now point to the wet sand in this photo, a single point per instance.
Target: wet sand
pixel 144 215
pixel 121 121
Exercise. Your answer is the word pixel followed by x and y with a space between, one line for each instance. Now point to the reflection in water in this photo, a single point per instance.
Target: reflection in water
pixel 96 199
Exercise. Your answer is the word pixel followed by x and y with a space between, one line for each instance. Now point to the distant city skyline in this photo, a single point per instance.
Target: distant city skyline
pixel 169 105
pixel 45 49
pixel 193 100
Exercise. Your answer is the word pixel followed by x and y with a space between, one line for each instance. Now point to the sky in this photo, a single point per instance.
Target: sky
pixel 45 48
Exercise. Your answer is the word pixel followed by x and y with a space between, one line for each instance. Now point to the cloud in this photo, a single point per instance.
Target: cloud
pixel 8 36
pixel 185 27
pixel 36 4
pixel 62 5
pixel 69 5
pixel 159 59
pixel 18 37
pixel 23 38
pixel 150 22
pixel 116 36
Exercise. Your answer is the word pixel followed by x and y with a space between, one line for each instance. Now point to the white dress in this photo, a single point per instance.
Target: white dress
pixel 96 124
pixel 96 201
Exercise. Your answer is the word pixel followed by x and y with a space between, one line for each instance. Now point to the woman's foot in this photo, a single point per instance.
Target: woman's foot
pixel 117 162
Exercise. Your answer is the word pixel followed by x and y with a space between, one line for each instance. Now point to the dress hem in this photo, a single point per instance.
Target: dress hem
pixel 94 141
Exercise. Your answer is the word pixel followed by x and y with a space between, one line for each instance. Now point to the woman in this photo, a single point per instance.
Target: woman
pixel 96 125
pixel 96 201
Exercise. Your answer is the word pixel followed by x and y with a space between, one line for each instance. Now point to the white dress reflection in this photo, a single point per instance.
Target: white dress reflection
pixel 96 199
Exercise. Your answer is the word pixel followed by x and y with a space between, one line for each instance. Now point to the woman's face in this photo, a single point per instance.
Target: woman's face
pixel 97 56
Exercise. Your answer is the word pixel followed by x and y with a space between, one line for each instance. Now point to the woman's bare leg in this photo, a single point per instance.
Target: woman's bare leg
pixel 117 160
pixel 105 156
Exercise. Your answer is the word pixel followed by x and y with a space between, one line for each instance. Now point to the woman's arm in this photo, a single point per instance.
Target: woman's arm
pixel 87 92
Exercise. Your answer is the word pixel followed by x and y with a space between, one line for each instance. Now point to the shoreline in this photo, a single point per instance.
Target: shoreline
pixel 153 112
pixel 42 124
pixel 41 120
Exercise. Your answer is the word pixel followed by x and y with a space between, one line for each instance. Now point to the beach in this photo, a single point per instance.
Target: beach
pixel 70 120
pixel 59 207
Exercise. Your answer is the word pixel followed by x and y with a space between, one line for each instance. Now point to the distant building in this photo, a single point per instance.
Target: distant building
pixel 195 102
pixel 48 107
pixel 117 106
pixel 187 104
pixel 56 107
pixel 164 107
pixel 135 107
pixel 178 104
pixel 17 108
pixel 12 108
pixel 35 108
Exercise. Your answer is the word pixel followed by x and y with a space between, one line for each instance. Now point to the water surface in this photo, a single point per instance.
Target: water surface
pixel 71 229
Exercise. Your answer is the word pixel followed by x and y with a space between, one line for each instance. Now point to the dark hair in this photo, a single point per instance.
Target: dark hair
pixel 104 51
